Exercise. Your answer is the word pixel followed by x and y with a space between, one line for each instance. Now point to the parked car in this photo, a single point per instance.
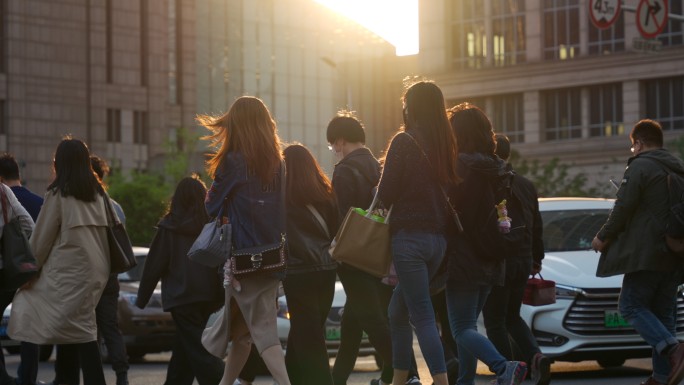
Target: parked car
pixel 149 330
pixel 584 323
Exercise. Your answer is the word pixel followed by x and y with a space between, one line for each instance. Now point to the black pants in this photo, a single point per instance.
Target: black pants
pixel 189 359
pixel 67 365
pixel 365 310
pixel 501 312
pixel 28 368
pixel 108 325
pixel 309 298
pixel 71 357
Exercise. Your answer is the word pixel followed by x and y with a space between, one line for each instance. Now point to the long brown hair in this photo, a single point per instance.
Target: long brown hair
pixel 424 111
pixel 473 129
pixel 249 129
pixel 306 182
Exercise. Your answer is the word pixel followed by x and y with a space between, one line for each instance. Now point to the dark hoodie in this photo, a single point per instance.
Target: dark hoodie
pixel 635 226
pixel 353 180
pixel 184 282
pixel 476 170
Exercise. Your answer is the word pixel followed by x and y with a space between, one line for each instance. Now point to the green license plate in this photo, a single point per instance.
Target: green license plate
pixel 613 319
pixel 332 333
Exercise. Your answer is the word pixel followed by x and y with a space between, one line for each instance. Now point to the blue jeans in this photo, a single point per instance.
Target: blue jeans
pixel 648 301
pixel 464 303
pixel 417 257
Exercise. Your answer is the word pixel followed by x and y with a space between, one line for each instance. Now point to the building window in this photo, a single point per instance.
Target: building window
pixel 469 41
pixel 3 118
pixel 605 110
pixel 143 43
pixel 605 41
pixel 109 41
pixel 563 115
pixel 673 34
pixel 174 35
pixel 3 34
pixel 507 116
pixel 561 35
pixel 664 101
pixel 508 23
pixel 113 125
pixel 140 127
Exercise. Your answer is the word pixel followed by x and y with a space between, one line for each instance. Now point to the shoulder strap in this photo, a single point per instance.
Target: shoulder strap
pixel 283 219
pixel 454 214
pixel 3 198
pixel 319 218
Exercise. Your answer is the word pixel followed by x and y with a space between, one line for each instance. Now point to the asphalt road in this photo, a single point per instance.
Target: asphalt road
pixel 153 371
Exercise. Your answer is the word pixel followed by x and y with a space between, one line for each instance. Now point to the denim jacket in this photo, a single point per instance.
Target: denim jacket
pixel 256 210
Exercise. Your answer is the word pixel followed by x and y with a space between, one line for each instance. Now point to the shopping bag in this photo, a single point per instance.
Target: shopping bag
pixel 539 292
pixel 364 242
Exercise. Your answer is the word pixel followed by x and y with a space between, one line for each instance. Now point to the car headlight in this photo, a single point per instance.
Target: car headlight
pixel 129 297
pixel 567 292
pixel 282 310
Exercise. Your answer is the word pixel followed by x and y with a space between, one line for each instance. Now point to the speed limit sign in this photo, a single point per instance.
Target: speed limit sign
pixel 604 12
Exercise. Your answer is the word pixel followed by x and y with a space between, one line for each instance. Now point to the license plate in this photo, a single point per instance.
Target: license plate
pixel 332 333
pixel 613 319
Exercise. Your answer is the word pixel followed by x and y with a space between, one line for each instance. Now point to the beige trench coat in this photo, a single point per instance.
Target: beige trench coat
pixel 70 244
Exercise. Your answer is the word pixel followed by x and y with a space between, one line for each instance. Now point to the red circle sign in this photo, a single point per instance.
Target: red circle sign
pixel 604 12
pixel 651 17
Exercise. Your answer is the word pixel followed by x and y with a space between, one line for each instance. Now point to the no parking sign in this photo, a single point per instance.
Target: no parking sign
pixel 604 12
pixel 651 17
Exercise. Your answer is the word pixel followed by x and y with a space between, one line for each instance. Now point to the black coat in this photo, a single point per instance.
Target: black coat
pixel 353 180
pixel 533 245
pixel 307 240
pixel 464 264
pixel 184 282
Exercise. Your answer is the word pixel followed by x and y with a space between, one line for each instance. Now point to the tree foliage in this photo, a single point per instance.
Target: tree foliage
pixel 144 196
pixel 553 179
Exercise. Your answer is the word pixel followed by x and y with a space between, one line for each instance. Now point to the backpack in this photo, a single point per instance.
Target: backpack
pixel 498 234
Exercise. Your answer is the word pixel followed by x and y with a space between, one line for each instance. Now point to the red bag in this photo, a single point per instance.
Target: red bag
pixel 539 292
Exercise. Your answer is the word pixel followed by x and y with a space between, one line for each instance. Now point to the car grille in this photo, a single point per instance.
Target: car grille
pixel 586 315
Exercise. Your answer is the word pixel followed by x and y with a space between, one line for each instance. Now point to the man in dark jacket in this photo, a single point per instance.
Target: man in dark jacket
pixel 355 176
pixel 502 310
pixel 631 242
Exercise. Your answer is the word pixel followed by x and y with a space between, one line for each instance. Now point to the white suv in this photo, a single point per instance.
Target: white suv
pixel 584 323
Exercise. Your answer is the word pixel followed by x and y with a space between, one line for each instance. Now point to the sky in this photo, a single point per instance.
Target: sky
pixel 396 21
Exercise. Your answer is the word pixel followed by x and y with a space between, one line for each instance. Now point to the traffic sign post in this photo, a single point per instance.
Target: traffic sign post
pixel 604 12
pixel 651 17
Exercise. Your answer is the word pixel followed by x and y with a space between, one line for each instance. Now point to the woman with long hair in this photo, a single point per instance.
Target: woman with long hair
pixel 190 291
pixel 71 247
pixel 247 169
pixel 419 165
pixel 312 221
pixel 471 275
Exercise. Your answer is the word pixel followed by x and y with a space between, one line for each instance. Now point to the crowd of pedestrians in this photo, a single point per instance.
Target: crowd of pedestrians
pixel 434 174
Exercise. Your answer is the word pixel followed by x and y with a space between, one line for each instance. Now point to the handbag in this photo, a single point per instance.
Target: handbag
pixel 262 259
pixel 364 242
pixel 19 263
pixel 121 257
pixel 212 246
pixel 539 292
pixel 215 337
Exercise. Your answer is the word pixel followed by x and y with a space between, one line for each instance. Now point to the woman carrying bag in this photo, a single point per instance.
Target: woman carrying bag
pixel 190 291
pixel 247 169
pixel 420 162
pixel 310 283
pixel 71 247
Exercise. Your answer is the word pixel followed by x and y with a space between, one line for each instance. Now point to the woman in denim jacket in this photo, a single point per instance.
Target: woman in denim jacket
pixel 247 169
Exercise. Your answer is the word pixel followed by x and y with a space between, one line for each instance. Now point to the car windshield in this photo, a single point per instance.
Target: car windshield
pixel 571 230
pixel 135 273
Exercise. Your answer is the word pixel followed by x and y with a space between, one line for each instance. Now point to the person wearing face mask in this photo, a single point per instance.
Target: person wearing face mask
pixel 355 176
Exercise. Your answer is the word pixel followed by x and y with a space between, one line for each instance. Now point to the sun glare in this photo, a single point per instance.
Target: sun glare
pixel 396 21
